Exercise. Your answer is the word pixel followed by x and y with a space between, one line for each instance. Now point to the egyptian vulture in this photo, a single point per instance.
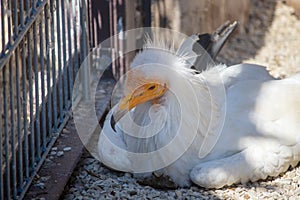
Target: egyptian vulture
pixel 193 122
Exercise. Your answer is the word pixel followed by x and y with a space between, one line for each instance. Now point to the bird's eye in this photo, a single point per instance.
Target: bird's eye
pixel 152 87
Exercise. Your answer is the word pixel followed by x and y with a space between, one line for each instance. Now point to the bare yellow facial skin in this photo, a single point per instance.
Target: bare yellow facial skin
pixel 144 93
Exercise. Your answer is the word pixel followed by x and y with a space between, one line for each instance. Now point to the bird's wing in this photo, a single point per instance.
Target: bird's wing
pixel 112 148
pixel 200 50
pixel 272 108
pixel 261 128
pixel 244 72
pixel 241 84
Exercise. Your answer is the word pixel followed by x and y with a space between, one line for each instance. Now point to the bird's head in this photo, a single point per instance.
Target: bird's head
pixel 152 74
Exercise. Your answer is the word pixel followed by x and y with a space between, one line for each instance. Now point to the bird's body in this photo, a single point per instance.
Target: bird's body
pixel 238 123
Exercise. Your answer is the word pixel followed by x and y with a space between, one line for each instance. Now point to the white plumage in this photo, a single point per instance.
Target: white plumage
pixel 247 124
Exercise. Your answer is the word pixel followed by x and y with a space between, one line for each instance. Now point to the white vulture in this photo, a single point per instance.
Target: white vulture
pixel 212 127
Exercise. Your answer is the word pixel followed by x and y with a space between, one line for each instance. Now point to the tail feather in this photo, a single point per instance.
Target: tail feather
pixel 193 47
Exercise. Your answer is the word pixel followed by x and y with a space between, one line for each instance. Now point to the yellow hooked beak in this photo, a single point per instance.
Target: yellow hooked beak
pixel 142 94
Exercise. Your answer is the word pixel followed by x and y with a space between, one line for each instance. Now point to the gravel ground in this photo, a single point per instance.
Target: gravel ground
pixel 271 39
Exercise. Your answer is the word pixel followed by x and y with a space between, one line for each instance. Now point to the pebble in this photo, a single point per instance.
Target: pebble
pixel 59 153
pixel 132 192
pixel 261 190
pixel 54 148
pixel 178 193
pixel 44 178
pixel 40 185
pixel 65 149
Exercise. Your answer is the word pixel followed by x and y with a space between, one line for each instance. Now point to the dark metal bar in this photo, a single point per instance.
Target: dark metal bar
pixel 16 29
pixel 33 6
pixel 22 14
pixel 60 88
pixel 31 119
pixel 2 29
pixel 49 48
pixel 12 131
pixel 6 134
pixel 146 7
pixel 24 103
pixel 111 28
pixel 37 94
pixel 115 32
pixel 75 20
pixel 42 68
pixel 20 138
pixel 92 37
pixel 70 63
pixel 65 80
pixel 52 45
pixel 120 28
pixel 84 48
pixel 1 154
pixel 27 7
pixel 9 25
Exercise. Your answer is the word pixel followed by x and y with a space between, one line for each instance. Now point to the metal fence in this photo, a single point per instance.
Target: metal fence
pixel 42 43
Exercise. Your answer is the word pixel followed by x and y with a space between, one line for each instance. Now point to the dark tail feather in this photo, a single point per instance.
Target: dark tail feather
pixel 212 43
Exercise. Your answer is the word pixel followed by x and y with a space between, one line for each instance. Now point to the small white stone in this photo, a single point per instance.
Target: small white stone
pixel 54 148
pixel 59 153
pixel 67 149
pixel 178 194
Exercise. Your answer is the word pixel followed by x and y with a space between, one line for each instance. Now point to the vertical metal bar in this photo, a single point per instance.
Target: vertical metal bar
pixel 1 154
pixel 65 80
pixel 12 133
pixel 30 77
pixel 115 32
pixel 43 117
pixel 75 20
pixel 84 46
pixel 54 91
pixel 60 92
pixel 6 134
pixel 19 150
pixel 121 41
pixel 111 28
pixel 12 130
pixel 24 103
pixel 36 94
pixel 33 5
pixel 70 63
pixel 92 35
pixel 49 47
pixel 22 14
pixel 146 7
pixel 9 24
pixel 3 28
pixel 27 7
pixel 15 20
